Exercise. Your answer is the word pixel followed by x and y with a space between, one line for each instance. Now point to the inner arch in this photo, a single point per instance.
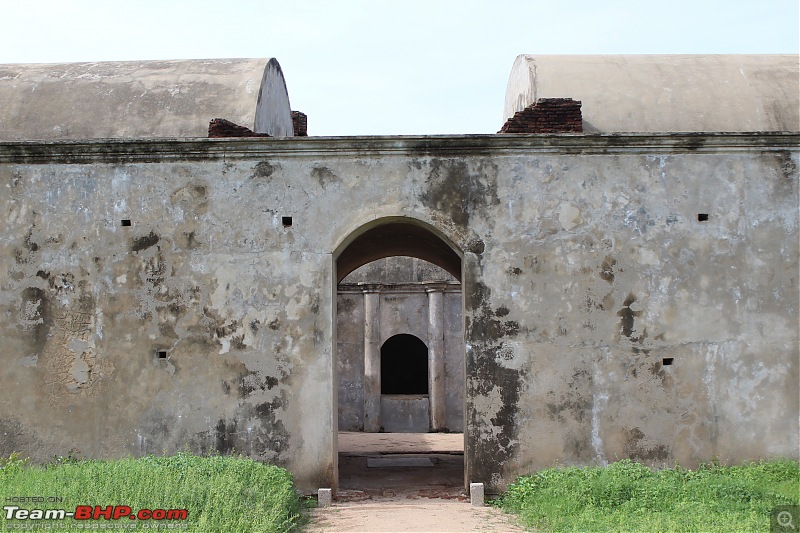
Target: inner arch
pixel 398 238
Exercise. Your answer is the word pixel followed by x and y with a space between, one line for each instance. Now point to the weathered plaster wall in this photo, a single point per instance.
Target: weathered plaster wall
pixel 584 266
pixel 242 309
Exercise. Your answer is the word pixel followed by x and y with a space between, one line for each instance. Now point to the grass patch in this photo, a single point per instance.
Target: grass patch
pixel 628 496
pixel 221 493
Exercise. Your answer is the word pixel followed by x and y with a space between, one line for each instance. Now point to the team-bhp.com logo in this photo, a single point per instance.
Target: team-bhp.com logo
pixel 89 512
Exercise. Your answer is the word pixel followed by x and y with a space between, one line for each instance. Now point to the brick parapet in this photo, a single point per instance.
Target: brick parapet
pixel 547 115
pixel 219 127
pixel 300 123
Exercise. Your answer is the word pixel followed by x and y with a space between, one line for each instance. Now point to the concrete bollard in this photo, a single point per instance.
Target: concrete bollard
pixel 476 494
pixel 324 497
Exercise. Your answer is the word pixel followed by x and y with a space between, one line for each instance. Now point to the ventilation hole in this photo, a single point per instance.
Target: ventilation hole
pixel 162 354
pixel 125 222
pixel 667 361
pixel 286 221
pixel 702 217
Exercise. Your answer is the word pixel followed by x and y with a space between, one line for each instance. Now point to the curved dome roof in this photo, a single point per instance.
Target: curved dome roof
pixel 141 99
pixel 664 93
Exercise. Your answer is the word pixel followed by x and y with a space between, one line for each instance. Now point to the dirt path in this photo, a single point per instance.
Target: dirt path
pixel 407 512
pixel 402 482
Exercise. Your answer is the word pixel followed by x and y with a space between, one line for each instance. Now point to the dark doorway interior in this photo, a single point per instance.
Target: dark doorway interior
pixel 404 365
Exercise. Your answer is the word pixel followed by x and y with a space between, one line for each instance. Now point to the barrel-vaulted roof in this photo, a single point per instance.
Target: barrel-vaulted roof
pixel 664 93
pixel 141 99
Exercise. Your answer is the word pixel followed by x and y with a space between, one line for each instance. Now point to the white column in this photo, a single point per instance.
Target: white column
pixel 436 379
pixel 372 361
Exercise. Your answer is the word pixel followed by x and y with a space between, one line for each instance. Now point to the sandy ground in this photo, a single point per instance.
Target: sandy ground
pixel 378 494
pixel 402 512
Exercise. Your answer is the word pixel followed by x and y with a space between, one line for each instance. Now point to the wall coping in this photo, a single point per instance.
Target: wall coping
pixel 204 149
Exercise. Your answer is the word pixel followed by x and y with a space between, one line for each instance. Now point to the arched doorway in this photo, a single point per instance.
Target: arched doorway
pixel 400 354
pixel 404 366
pixel 405 402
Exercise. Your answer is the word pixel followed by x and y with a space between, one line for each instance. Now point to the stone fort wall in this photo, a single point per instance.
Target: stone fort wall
pixel 623 295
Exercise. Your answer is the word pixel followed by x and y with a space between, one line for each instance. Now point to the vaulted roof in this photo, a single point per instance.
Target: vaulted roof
pixel 141 99
pixel 664 93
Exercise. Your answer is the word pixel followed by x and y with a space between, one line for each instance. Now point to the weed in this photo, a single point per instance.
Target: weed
pixel 221 493
pixel 630 496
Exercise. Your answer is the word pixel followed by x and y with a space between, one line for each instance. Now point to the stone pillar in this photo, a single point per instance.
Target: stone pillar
pixel 372 361
pixel 436 381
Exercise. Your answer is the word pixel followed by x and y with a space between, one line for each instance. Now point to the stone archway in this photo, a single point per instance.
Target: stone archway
pixel 399 239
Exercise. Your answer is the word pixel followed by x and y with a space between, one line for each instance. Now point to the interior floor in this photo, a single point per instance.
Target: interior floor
pixel 401 464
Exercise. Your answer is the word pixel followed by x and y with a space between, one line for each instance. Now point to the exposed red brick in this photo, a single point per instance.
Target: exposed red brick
pixel 547 115
pixel 300 123
pixel 219 127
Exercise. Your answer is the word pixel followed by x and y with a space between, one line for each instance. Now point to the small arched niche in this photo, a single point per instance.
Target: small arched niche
pixel 404 365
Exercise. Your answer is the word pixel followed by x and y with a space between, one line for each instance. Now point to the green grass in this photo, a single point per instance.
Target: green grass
pixel 221 493
pixel 628 496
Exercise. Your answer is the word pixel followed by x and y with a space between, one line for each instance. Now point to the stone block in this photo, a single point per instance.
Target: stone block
pixel 324 497
pixel 476 494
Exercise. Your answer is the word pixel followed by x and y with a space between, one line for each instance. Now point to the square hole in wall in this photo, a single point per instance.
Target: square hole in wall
pixel 702 217
pixel 125 222
pixel 286 221
pixel 667 361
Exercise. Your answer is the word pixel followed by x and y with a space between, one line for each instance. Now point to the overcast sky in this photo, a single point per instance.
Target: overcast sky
pixel 396 67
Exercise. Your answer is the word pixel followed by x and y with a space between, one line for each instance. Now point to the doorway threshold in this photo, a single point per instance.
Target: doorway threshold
pixel 360 443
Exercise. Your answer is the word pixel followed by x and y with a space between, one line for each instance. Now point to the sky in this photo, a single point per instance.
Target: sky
pixel 402 67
